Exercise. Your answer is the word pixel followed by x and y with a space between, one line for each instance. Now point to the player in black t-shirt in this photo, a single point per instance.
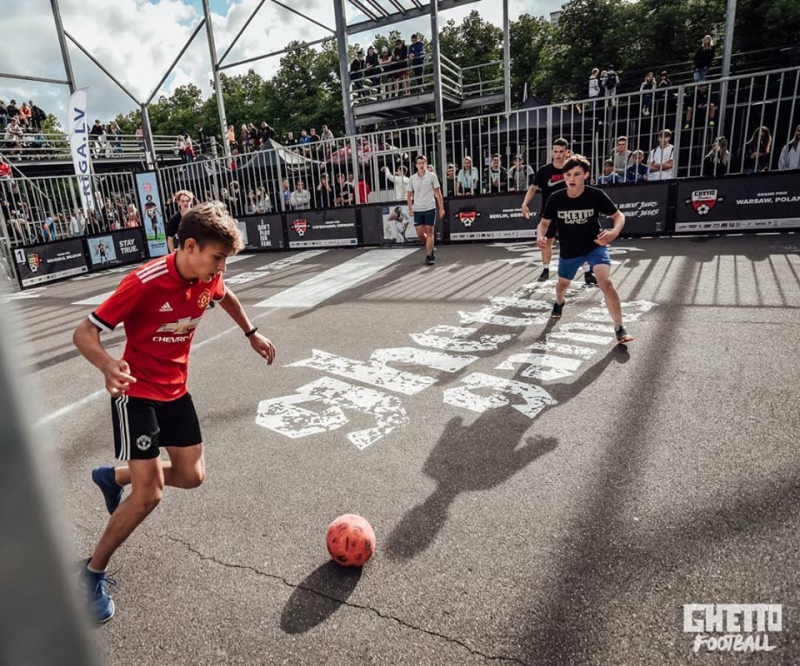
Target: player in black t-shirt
pixel 550 179
pixel 184 199
pixel 577 212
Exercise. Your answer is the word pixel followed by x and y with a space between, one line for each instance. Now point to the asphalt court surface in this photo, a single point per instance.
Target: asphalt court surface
pixel 540 495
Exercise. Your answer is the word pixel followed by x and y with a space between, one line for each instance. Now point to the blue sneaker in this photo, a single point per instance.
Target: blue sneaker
pixel 112 491
pixel 101 604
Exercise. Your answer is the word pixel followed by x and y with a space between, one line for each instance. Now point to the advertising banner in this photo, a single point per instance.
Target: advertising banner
pixel 51 261
pixel 262 232
pixel 116 248
pixel 322 228
pixel 78 133
pixel 753 202
pixel 390 224
pixel 644 206
pixel 152 214
pixel 492 217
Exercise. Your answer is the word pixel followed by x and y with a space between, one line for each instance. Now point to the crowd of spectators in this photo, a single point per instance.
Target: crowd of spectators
pixel 393 72
pixel 21 128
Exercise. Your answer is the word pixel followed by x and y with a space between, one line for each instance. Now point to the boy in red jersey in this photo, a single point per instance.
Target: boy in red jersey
pixel 161 305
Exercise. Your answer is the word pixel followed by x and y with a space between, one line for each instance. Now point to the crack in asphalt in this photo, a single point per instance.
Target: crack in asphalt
pixel 350 604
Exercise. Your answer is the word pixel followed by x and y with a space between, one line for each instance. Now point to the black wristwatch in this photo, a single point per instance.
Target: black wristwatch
pixel 251 332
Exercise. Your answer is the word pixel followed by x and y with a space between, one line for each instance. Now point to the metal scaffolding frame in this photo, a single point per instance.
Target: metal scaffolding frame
pixel 378 13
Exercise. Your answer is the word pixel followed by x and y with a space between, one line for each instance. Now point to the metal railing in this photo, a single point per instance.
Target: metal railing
pixel 36 146
pixel 373 167
pixel 406 78
pixel 40 210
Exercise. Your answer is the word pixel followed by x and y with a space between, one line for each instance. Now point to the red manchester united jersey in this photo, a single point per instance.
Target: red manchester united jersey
pixel 161 312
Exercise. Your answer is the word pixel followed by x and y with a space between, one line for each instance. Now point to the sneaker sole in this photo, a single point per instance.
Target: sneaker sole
pixel 625 340
pixel 113 611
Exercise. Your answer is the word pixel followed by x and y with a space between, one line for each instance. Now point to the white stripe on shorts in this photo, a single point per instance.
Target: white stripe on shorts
pixel 124 428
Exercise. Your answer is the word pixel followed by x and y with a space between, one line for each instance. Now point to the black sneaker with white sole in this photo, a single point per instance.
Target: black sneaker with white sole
pixel 544 276
pixel 430 260
pixel 623 336
pixel 558 309
pixel 589 277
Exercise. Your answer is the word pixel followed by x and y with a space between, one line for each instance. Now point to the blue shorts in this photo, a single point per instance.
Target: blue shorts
pixel 426 217
pixel 568 267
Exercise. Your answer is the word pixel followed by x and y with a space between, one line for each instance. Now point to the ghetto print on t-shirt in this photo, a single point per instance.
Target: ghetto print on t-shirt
pixel 575 216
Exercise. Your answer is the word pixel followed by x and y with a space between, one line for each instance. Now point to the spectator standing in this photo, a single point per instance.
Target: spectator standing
pixel 286 195
pixel 662 95
pixel 662 157
pixel 38 116
pixel 594 83
pixel 467 181
pixel 345 194
pixel 263 204
pixel 423 194
pixel 400 181
pixel 717 161
pixel 610 84
pixel 180 144
pixel 244 139
pixel 416 56
pixel 3 116
pixel 116 134
pixel 301 198
pixel 266 133
pixel 758 151
pixel 450 181
pixel 372 69
pixel 703 58
pixel 315 142
pixel 96 135
pixel 324 194
pixel 387 67
pixel 647 89
pixel 305 140
pixel 495 177
pixel 357 74
pixel 637 172
pixel 13 136
pixel 790 155
pixel 400 57
pixel 290 140
pixel 132 218
pixel 620 157
pixel 140 137
pixel 363 190
pixel 327 139
pixel 519 175
pixel 610 176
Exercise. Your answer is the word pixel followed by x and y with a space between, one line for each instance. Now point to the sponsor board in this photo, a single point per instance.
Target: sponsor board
pixel 263 232
pixel 492 217
pixel 322 228
pixel 152 214
pixel 753 202
pixel 51 261
pixel 116 248
pixel 644 206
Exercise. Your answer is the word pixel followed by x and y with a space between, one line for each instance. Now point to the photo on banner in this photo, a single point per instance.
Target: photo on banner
pixel 101 250
pixel 398 225
pixel 152 214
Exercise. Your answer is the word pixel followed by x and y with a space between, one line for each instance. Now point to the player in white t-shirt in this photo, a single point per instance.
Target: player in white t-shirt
pixel 423 193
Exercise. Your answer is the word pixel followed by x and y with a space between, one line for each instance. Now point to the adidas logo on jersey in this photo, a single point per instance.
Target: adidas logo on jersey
pixel 166 308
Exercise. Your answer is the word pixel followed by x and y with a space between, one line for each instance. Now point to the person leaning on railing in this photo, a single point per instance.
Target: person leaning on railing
pixel 790 155
pixel 416 57
pixel 717 161
pixel 467 182
pixel 519 175
pixel 758 151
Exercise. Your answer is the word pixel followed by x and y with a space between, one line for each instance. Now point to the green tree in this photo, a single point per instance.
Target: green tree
pixel 531 40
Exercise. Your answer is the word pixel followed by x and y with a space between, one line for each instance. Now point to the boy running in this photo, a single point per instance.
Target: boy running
pixel 550 179
pixel 161 305
pixel 423 193
pixel 577 211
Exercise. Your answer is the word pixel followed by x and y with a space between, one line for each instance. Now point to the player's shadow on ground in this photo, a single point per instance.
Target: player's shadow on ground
pixel 479 457
pixel 318 597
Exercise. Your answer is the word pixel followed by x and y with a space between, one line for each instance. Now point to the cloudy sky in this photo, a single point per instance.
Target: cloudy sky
pixel 137 40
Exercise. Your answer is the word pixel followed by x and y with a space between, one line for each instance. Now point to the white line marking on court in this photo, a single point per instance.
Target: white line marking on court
pixel 94 300
pixel 335 280
pixel 237 258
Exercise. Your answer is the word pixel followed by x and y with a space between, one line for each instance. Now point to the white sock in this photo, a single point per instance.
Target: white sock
pixel 546 265
pixel 95 571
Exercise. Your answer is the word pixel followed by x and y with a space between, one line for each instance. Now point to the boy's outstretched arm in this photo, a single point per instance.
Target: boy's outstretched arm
pixel 261 345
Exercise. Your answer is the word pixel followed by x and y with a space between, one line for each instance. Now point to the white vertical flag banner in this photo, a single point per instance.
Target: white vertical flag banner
pixel 78 132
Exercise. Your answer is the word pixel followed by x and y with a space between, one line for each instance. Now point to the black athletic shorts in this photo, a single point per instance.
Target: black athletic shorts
pixel 141 426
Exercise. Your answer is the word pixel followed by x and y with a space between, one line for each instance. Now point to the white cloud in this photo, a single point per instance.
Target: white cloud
pixel 137 40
